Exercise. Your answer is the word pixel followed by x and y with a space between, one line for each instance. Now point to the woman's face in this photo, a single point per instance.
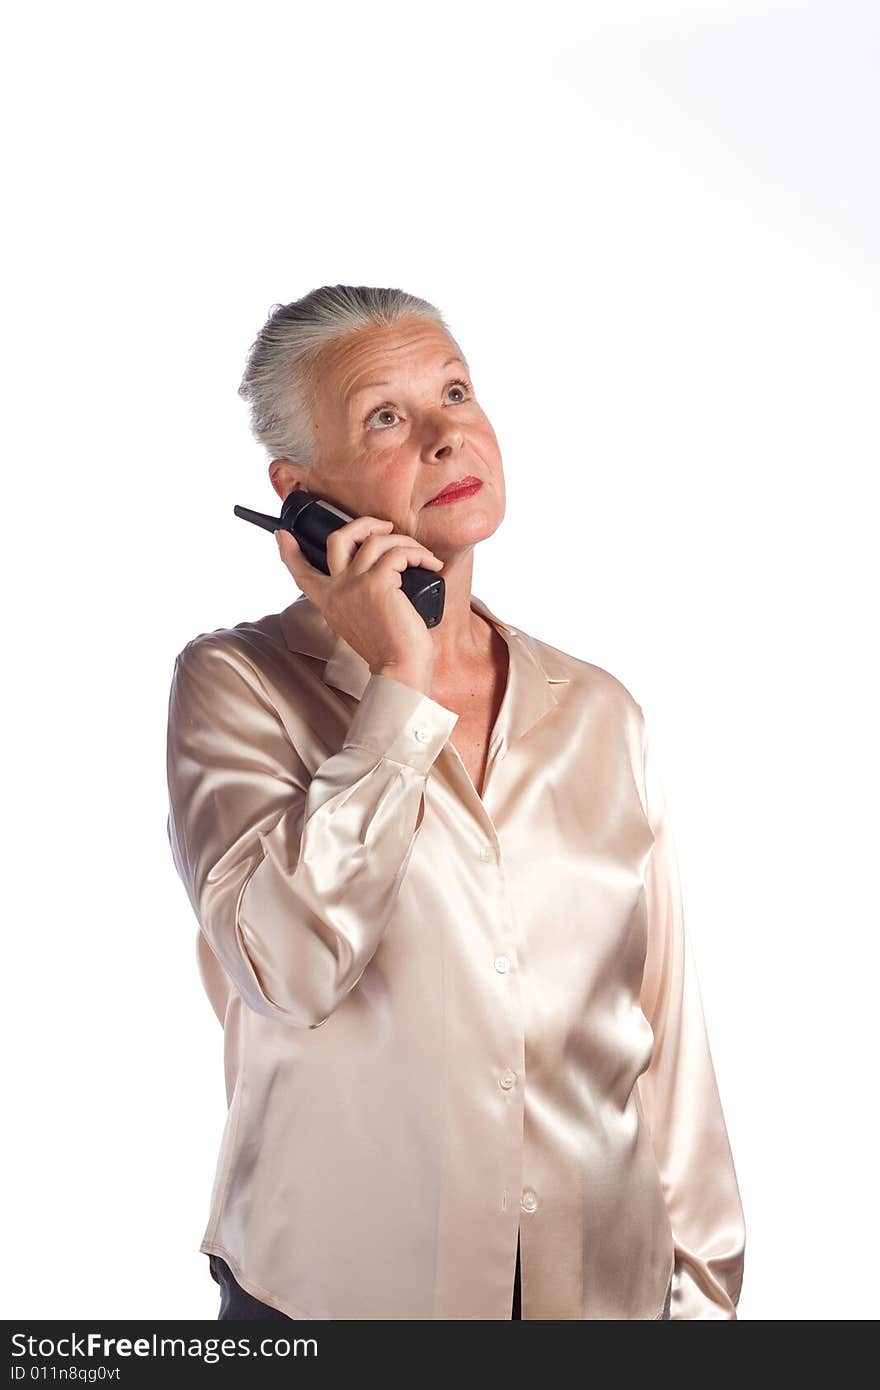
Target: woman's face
pixel 386 449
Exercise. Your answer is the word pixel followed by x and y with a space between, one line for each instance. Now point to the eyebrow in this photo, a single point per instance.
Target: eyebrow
pixel 372 385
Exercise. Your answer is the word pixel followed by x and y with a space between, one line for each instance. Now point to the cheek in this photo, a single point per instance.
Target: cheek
pixel 486 440
pixel 482 425
pixel 386 477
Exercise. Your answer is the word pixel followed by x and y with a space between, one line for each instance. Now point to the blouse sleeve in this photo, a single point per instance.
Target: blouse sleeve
pixel 292 877
pixel 680 1095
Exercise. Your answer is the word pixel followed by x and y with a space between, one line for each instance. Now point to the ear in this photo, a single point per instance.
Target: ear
pixel 285 476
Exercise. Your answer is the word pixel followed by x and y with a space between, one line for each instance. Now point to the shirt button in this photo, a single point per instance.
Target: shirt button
pixel 487 854
pixel 529 1200
pixel 422 735
pixel 507 1079
pixel 502 964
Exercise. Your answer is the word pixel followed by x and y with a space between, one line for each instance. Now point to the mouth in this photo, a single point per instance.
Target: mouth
pixel 464 487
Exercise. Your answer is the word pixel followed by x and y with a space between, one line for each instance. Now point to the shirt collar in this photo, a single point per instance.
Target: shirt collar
pixel 534 675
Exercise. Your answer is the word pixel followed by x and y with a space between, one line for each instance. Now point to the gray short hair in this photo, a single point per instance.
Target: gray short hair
pixel 284 359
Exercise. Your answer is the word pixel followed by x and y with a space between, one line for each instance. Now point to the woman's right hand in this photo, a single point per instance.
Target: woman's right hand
pixel 362 599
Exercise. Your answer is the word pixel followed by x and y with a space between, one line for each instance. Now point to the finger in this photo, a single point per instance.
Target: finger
pixel 343 543
pixel 305 574
pixel 375 546
pixel 400 557
pixel 288 545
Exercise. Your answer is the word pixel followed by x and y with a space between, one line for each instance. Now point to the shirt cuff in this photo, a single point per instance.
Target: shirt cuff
pixel 399 722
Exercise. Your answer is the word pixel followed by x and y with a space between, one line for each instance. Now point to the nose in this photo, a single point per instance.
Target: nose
pixel 447 441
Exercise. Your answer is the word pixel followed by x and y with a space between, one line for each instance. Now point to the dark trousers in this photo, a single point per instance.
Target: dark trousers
pixel 236 1302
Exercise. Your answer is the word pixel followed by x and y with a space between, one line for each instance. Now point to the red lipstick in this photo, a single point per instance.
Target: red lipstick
pixel 464 487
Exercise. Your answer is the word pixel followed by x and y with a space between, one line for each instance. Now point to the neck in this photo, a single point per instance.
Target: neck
pixel 462 638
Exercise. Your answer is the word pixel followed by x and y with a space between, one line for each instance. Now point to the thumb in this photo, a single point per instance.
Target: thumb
pixel 289 540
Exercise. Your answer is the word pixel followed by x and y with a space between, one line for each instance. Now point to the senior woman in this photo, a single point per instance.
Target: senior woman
pixel 467 1068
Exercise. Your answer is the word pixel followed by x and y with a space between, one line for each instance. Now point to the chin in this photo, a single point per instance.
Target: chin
pixel 467 533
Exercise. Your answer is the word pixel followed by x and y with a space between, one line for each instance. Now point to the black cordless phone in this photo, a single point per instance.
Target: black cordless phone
pixel 310 520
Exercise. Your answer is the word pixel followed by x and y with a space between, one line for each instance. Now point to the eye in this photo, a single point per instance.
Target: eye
pixel 380 410
pixel 462 386
pixel 388 409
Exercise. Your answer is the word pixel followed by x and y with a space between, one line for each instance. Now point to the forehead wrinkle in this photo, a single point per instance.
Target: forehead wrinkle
pixel 374 385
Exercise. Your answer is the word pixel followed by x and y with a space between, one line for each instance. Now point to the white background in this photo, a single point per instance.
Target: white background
pixel 653 228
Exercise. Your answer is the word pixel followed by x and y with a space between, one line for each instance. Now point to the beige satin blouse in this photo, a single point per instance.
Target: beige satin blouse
pixel 445 1016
